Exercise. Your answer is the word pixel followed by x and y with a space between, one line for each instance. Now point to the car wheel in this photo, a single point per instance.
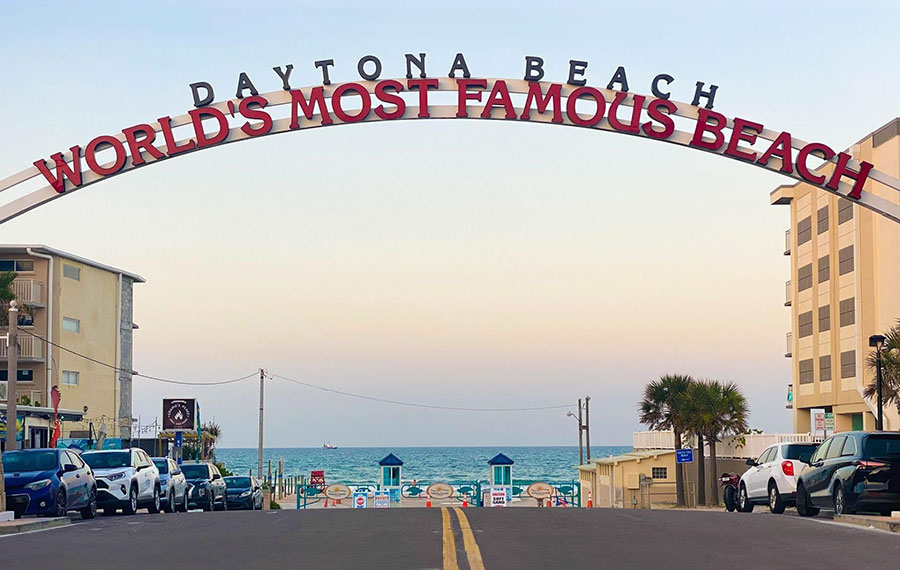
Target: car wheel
pixel 170 503
pixel 744 504
pixel 154 506
pixel 803 507
pixel 90 511
pixel 183 507
pixel 210 505
pixel 776 503
pixel 728 498
pixel 131 506
pixel 840 501
pixel 60 510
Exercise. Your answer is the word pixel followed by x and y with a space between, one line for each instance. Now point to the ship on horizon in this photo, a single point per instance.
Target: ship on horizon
pixel 328 446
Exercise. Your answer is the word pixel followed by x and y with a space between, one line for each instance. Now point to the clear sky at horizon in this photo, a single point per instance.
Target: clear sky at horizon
pixel 456 263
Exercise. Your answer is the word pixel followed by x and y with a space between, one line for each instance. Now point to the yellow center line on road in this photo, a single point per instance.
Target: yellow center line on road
pixel 449 542
pixel 472 551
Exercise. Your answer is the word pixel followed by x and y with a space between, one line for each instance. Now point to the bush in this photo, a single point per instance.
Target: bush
pixel 223 470
pixel 274 506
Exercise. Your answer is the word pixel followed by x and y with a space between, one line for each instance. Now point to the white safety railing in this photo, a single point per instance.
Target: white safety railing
pixel 29 290
pixel 749 445
pixel 29 347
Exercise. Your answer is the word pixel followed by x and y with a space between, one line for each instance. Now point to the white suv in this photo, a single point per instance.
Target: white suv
pixel 772 478
pixel 127 479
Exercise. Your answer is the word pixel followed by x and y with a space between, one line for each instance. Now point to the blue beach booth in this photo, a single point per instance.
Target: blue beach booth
pixel 501 473
pixel 391 467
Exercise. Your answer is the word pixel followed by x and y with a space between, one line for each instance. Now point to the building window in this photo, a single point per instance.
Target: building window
pixel 804 277
pixel 825 318
pixel 804 230
pixel 825 368
pixel 71 272
pixel 659 472
pixel 845 260
pixel 21 375
pixel 824 268
pixel 804 324
pixel 822 220
pixel 71 325
pixel 848 364
pixel 70 378
pixel 845 210
pixel 806 371
pixel 16 265
pixel 848 311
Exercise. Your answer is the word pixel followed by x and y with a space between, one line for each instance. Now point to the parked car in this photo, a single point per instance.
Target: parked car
pixel 244 493
pixel 853 471
pixel 172 485
pixel 126 479
pixel 206 489
pixel 49 482
pixel 772 477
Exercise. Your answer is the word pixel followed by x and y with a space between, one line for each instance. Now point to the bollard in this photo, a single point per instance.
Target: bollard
pixel 428 504
pixel 465 503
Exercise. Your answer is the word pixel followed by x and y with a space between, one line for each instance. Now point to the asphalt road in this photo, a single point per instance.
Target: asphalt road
pixel 492 539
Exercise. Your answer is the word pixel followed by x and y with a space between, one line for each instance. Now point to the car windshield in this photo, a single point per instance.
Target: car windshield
pixel 18 461
pixel 162 465
pixel 882 446
pixel 107 459
pixel 237 482
pixel 799 451
pixel 195 471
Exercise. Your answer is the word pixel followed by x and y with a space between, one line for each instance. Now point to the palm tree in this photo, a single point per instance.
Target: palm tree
pixel 661 409
pixel 890 368
pixel 7 294
pixel 714 409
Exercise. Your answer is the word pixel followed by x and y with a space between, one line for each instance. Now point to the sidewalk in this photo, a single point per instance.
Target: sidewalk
pixel 28 525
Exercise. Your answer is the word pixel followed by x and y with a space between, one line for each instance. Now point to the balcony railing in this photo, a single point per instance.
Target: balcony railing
pixel 787 294
pixel 29 291
pixel 790 345
pixel 749 445
pixel 787 242
pixel 29 347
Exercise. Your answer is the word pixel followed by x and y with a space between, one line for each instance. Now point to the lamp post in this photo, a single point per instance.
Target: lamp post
pixel 877 341
pixel 580 430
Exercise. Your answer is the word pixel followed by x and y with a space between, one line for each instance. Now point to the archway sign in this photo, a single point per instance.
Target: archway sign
pixel 458 96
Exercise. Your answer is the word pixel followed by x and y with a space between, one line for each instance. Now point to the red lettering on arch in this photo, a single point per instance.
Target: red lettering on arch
pixel 859 178
pixel 336 104
pixel 136 146
pixel 63 170
pixel 499 97
pixel 383 94
pixel 704 126
pixel 252 108
pixel 780 147
pixel 822 151
pixel 93 147
pixel 738 136
pixel 655 112
pixel 197 119
pixel 553 96
pixel 316 99
pixel 572 100
pixel 635 125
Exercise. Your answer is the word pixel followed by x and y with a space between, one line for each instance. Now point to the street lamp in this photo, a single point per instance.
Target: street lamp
pixel 877 341
pixel 580 430
pixel 584 429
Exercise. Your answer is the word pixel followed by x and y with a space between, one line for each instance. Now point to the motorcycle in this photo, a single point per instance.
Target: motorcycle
pixel 729 485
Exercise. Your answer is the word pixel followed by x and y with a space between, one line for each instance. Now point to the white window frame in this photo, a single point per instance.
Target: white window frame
pixel 72 320
pixel 69 374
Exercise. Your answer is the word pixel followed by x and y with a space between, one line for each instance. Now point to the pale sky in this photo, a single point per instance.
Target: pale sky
pixel 458 263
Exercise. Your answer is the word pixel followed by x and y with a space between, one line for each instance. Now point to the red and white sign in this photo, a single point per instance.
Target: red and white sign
pixel 819 421
pixel 360 500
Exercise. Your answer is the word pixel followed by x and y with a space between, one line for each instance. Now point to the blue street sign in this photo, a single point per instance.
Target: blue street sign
pixel 684 456
pixel 179 439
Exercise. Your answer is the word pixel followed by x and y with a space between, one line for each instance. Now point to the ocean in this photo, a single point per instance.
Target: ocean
pixel 359 465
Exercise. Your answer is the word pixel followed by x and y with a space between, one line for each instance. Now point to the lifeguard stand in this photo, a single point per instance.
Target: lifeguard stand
pixel 391 467
pixel 501 473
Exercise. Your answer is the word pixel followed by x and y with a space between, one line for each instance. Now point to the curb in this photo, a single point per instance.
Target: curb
pixel 881 523
pixel 20 526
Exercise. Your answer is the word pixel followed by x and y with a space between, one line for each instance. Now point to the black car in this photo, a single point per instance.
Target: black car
pixel 244 493
pixel 205 487
pixel 853 471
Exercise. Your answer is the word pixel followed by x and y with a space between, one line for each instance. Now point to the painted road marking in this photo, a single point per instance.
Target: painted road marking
pixel 472 551
pixel 449 543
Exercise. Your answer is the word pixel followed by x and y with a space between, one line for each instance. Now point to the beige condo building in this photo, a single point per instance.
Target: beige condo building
pixel 85 307
pixel 843 287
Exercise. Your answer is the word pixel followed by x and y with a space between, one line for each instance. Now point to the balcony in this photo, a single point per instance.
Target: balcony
pixel 30 348
pixel 787 242
pixel 787 294
pixel 29 292
pixel 790 345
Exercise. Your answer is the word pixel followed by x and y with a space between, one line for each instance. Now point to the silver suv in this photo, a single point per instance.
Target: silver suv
pixel 127 479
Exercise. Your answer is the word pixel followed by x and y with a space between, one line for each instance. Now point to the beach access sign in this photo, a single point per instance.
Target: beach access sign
pixel 684 456
pixel 609 106
pixel 382 499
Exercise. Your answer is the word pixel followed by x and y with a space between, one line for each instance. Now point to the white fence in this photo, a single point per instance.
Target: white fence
pixel 747 446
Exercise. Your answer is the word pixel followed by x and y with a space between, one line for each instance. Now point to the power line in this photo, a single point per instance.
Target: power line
pixel 417 405
pixel 135 372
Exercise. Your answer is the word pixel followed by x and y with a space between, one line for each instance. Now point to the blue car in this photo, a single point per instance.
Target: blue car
pixel 49 482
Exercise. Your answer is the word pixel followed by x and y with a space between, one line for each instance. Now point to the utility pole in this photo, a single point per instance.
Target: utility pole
pixel 12 354
pixel 262 376
pixel 587 425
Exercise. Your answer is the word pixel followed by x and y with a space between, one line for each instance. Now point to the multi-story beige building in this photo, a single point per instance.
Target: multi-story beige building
pixel 845 272
pixel 84 307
